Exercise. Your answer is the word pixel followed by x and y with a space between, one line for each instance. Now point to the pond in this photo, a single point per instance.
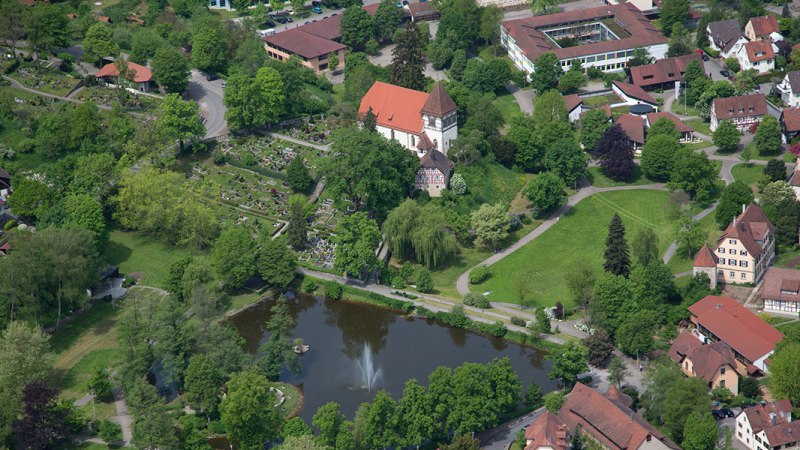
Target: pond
pixel 354 345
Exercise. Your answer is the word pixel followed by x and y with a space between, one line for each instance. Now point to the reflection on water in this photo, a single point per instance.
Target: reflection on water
pixel 401 348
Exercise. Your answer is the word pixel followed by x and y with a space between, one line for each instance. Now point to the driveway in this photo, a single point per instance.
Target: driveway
pixel 208 95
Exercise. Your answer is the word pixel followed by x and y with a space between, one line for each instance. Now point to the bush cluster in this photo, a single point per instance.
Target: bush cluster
pixel 477 300
pixel 479 274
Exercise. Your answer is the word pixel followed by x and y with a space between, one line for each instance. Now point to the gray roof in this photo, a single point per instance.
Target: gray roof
pixel 435 159
pixel 794 80
pixel 725 32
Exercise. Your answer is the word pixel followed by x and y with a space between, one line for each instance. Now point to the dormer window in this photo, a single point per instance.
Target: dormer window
pixel 751 109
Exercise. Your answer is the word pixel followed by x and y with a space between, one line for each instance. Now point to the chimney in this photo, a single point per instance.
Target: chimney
pixel 743 208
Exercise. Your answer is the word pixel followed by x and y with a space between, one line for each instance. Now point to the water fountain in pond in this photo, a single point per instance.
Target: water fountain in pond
pixel 367 372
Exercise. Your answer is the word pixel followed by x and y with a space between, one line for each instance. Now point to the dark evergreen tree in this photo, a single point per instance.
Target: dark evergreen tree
pixel 43 423
pixel 297 175
pixel 407 63
pixel 785 13
pixel 733 197
pixel 370 120
pixel 297 233
pixel 615 152
pixel 617 259
pixel 576 440
pixel 775 170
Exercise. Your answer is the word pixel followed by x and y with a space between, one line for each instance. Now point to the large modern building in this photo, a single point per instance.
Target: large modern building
pixel 602 37
pixel 312 43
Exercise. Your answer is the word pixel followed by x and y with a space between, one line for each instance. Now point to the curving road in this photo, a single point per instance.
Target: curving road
pixel 209 95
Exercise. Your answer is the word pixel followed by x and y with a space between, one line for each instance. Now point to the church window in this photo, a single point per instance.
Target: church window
pixel 431 121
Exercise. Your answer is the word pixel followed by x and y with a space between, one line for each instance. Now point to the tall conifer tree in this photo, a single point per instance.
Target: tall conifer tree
pixel 617 255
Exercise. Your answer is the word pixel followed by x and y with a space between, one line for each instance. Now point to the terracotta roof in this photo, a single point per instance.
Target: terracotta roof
pixel 682 346
pixel 547 431
pixel 708 359
pixel 791 118
pixel 327 28
pixel 615 395
pixel 615 426
pixel 435 159
pixel 425 142
pixel 665 70
pixel 572 101
pixel 741 106
pixel 27 2
pixel 759 51
pixel 438 103
pixel 736 325
pixel 371 8
pixel 774 418
pixel 705 258
pixel 633 91
pixel 141 74
pixel 778 283
pixel 764 25
pixel 104 19
pixel 725 33
pixel 533 42
pixel 633 126
pixel 307 45
pixel 749 227
pixel 394 106
pixel 422 9
pixel 679 124
pixel 5 246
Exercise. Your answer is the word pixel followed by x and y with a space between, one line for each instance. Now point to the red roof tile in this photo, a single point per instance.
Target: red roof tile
pixel 741 106
pixel 791 119
pixel 736 325
pixel 394 106
pixel 633 126
pixel 633 91
pixel 663 71
pixel 547 431
pixel 439 102
pixel 307 45
pixel 141 74
pixel 780 431
pixel 328 28
pixel 680 125
pixel 533 42
pixel 779 283
pixel 682 346
pixel 705 257
pixel 764 25
pixel 759 51
pixel 572 101
pixel 708 359
pixel 749 227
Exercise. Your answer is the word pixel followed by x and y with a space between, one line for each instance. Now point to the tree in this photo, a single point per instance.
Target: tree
pixel 297 232
pixel 658 155
pixel 635 334
pixel 99 43
pixel 600 347
pixel 243 413
pixel 233 258
pixel 85 213
pixel 673 12
pixel 43 423
pixel 377 428
pixel 571 81
pixel 202 384
pixel 645 247
pixel 615 152
pixel 180 119
pixel 617 260
pixel 356 28
pixel 691 234
pixel 670 397
pixel 593 125
pixel 99 385
pixel 296 427
pixel 547 72
pixel 407 61
pixel 785 373
pixel 640 57
pixel 533 395
pixel 357 237
pixel 47 28
pixel 12 24
pixel 700 432
pixel 373 172
pixel 775 170
pixel 459 24
pixel 617 371
pixel 768 136
pixel 462 442
pixel 580 282
pixel 386 20
pixel 680 42
pixel 207 53
pixel 748 152
pixel 457 184
pixel 696 80
pixel 298 176
pixel 569 361
pixel 542 321
pixel 424 280
pixel 277 352
pixel 275 262
pixel 254 102
pixel 486 76
pixel 611 292
pixel 663 127
pixel 491 224
pixel 170 70
pixel 530 149
pixel 693 173
pixel 414 415
pixel 566 159
pixel 730 204
pixel 329 420
pixel 546 191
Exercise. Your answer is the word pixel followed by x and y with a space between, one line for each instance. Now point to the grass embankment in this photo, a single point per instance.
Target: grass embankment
pixel 577 239
pixel 134 252
pixel 598 179
pixel 681 261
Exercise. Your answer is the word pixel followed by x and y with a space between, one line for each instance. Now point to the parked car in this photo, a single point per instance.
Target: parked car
pixel 705 57
pixel 718 414
pixel 211 77
pixel 289 19
pixel 724 73
pixel 727 411
pixel 317 10
pixel 281 19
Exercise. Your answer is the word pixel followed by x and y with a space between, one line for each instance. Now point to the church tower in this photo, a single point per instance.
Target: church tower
pixel 439 120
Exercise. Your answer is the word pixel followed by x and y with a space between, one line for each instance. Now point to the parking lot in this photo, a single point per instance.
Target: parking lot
pixel 730 422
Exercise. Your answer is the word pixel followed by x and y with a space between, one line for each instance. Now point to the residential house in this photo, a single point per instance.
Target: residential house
pixel 663 73
pixel 574 106
pixel 781 291
pixel 790 124
pixel 422 11
pixel 758 55
pixel 742 253
pixel 723 319
pixel 607 37
pixel 633 126
pixel 312 43
pixel 609 421
pixel 725 37
pixel 789 88
pixel 419 121
pixel 715 363
pixel 546 432
pixel 743 110
pixel 761 28
pixel 140 76
pixel 633 95
pixel 768 426
pixel 686 132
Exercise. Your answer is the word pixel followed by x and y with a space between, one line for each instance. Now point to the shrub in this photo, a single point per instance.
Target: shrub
pixel 218 157
pixel 424 280
pixel 517 321
pixel 424 312
pixel 10 224
pixel 216 427
pixel 558 311
pixel 333 290
pixel 479 274
pixel 477 300
pixel 496 329
pixel 456 317
pixel 309 285
pixel 398 282
pixel 109 431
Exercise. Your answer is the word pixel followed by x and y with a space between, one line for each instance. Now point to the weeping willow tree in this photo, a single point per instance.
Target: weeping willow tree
pixel 419 234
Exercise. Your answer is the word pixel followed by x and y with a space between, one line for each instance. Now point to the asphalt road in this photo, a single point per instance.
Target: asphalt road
pixel 208 95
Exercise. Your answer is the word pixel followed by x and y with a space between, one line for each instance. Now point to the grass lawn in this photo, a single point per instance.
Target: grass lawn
pixel 601 100
pixel 788 326
pixel 73 384
pixel 698 145
pixel 747 173
pixel 294 398
pixel 700 126
pixel 508 107
pixel 579 238
pixel 677 108
pixel 598 179
pixel 681 262
pixel 134 252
